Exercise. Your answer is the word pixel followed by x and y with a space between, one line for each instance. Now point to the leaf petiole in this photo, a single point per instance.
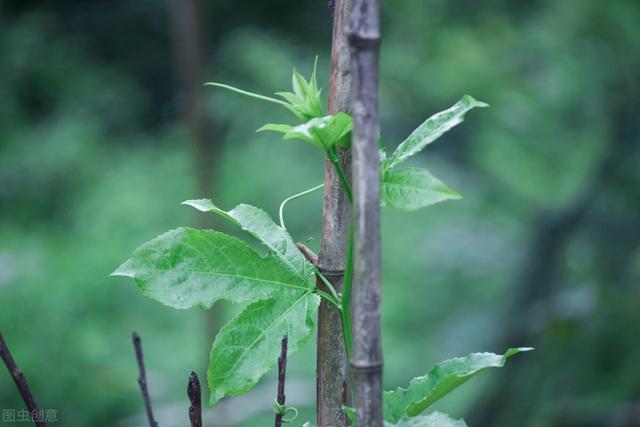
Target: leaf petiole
pixel 332 154
pixel 295 196
pixel 327 284
pixel 250 94
pixel 329 298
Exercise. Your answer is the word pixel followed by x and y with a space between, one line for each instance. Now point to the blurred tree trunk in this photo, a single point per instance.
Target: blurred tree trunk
pixel 538 278
pixel 187 44
pixel 366 355
pixel 332 367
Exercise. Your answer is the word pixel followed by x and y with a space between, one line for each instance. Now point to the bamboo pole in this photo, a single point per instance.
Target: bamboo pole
pixel 366 358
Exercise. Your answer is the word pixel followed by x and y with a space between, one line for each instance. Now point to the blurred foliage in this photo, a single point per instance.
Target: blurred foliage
pixel 543 249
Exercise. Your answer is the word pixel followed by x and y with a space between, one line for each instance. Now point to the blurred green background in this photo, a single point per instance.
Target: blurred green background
pixel 105 129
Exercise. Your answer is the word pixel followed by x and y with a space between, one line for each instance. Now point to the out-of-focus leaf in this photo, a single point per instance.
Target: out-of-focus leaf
pixel 249 345
pixel 431 130
pixel 442 379
pixel 437 419
pixel 413 188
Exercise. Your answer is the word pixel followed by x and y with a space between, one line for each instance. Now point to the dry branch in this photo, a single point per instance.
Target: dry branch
pixel 21 382
pixel 142 379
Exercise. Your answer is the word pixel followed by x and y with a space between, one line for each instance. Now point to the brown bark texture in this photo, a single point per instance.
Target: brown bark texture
pixel 332 363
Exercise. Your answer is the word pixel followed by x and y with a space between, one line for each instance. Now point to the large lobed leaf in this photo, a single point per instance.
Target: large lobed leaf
pixel 185 267
pixel 431 130
pixel 248 346
pixel 259 224
pixel 413 188
pixel 442 379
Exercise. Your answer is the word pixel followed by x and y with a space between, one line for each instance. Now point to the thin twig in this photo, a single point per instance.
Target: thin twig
pixel 308 253
pixel 142 380
pixel 194 393
pixel 282 370
pixel 21 383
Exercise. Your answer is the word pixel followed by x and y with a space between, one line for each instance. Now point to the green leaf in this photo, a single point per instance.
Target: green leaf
pixel 184 268
pixel 305 101
pixel 431 130
pixel 324 132
pixel 248 346
pixel 435 419
pixel 259 224
pixel 413 188
pixel 275 127
pixel 442 379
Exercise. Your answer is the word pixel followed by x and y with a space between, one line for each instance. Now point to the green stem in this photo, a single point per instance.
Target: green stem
pixel 250 94
pixel 329 298
pixel 295 196
pixel 346 295
pixel 327 284
pixel 333 157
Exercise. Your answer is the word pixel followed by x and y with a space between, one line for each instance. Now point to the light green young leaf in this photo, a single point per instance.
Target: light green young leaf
pixel 324 132
pixel 436 419
pixel 275 127
pixel 305 101
pixel 248 346
pixel 413 188
pixel 442 379
pixel 431 130
pixel 184 268
pixel 259 224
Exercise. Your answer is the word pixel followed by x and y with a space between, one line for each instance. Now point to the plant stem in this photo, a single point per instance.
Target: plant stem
pixel 328 284
pixel 329 298
pixel 346 295
pixel 295 196
pixel 333 157
pixel 250 94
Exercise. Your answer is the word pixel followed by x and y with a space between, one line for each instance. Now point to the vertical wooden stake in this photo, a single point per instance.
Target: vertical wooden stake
pixel 366 358
pixel 332 363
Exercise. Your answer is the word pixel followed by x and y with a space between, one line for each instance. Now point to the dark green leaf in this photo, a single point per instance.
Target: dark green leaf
pixel 442 379
pixel 260 225
pixel 413 188
pixel 185 267
pixel 249 345
pixel 431 130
